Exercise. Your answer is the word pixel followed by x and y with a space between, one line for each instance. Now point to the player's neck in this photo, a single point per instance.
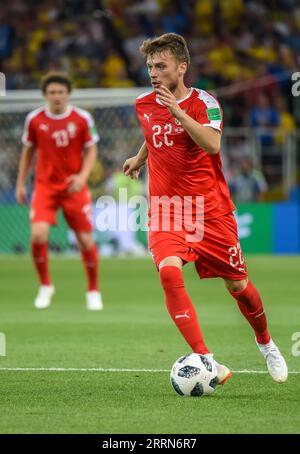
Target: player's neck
pixel 181 92
pixel 57 111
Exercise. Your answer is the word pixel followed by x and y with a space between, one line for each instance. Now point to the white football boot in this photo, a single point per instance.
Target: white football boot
pixel 223 372
pixel 44 296
pixel 94 300
pixel 275 361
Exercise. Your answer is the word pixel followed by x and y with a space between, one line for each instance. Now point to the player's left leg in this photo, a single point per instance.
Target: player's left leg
pixel 250 305
pixel 89 254
pixel 77 209
pixel 220 255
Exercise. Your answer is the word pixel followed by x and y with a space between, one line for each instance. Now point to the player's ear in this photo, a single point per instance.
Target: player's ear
pixel 182 68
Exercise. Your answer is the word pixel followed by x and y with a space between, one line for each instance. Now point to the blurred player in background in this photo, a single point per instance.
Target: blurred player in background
pixel 64 138
pixel 182 128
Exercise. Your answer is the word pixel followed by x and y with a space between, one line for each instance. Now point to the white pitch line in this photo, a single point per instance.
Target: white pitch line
pixel 77 369
pixel 99 369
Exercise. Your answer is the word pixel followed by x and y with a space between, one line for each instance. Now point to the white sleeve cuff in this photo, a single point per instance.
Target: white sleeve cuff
pixel 92 141
pixel 214 124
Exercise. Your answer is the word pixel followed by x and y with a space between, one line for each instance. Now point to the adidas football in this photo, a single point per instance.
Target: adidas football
pixel 194 375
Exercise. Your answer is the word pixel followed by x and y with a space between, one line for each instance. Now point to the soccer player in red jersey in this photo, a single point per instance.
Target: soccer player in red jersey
pixel 64 139
pixel 182 128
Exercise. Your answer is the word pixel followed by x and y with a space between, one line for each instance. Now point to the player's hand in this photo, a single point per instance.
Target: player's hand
pixel 168 99
pixel 76 182
pixel 132 167
pixel 21 194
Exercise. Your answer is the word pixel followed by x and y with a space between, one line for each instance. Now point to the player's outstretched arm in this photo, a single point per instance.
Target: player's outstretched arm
pixel 24 167
pixel 78 181
pixel 132 166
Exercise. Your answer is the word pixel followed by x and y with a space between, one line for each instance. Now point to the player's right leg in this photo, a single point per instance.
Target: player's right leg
pixel 179 304
pixel 169 253
pixel 39 252
pixel 42 214
pixel 183 311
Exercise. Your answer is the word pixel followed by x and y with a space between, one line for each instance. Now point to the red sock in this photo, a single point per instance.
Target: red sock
pixel 90 260
pixel 181 308
pixel 251 307
pixel 39 252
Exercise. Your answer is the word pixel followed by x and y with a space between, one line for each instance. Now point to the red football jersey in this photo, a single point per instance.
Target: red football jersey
pixel 60 141
pixel 177 165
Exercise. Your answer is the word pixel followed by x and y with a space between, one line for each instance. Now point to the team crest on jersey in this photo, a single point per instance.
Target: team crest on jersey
pixel 72 129
pixel 44 127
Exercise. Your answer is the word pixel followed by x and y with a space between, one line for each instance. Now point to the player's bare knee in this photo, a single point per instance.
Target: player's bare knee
pixel 236 286
pixel 39 237
pixel 85 241
pixel 171 261
pixel 39 233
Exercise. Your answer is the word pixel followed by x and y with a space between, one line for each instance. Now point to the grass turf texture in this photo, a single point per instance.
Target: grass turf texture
pixel 134 331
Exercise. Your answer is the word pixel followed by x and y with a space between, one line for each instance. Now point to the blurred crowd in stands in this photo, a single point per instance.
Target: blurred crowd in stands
pixel 244 51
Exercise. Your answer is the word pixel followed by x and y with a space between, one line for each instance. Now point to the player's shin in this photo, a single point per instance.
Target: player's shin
pixel 39 252
pixel 181 308
pixel 251 307
pixel 90 261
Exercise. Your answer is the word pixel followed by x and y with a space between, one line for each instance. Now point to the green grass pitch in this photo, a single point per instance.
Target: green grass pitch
pixel 134 331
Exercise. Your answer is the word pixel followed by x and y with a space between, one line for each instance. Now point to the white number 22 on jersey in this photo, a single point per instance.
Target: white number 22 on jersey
pixel 61 138
pixel 236 258
pixel 157 129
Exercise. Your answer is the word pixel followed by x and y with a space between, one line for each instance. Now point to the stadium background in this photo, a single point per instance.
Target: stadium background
pixel 69 370
pixel 243 51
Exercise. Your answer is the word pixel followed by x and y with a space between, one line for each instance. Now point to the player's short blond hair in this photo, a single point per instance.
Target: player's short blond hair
pixel 172 42
pixel 58 78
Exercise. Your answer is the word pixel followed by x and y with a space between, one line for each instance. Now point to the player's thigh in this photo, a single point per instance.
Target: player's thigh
pixel 43 208
pixel 39 232
pixel 220 253
pixel 77 209
pixel 169 249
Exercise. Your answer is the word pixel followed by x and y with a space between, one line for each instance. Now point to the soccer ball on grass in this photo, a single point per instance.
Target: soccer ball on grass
pixel 194 375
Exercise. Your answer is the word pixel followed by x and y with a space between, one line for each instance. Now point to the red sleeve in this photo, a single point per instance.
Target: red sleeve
pixel 208 111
